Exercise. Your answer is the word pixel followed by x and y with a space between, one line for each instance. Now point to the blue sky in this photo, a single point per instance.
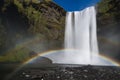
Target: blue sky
pixel 75 5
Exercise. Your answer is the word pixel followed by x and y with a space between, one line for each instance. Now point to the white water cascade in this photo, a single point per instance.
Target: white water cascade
pixel 81 45
pixel 80 35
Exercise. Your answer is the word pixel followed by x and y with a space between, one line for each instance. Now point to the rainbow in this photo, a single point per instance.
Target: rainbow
pixel 25 43
pixel 55 51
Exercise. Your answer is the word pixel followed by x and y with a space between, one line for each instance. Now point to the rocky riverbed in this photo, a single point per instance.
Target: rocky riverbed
pixel 67 72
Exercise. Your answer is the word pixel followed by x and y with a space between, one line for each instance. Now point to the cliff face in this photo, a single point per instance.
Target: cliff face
pixel 28 18
pixel 40 18
pixel 27 26
pixel 108 10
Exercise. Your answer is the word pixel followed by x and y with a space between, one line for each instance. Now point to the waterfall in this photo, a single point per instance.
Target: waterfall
pixel 81 35
pixel 80 43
